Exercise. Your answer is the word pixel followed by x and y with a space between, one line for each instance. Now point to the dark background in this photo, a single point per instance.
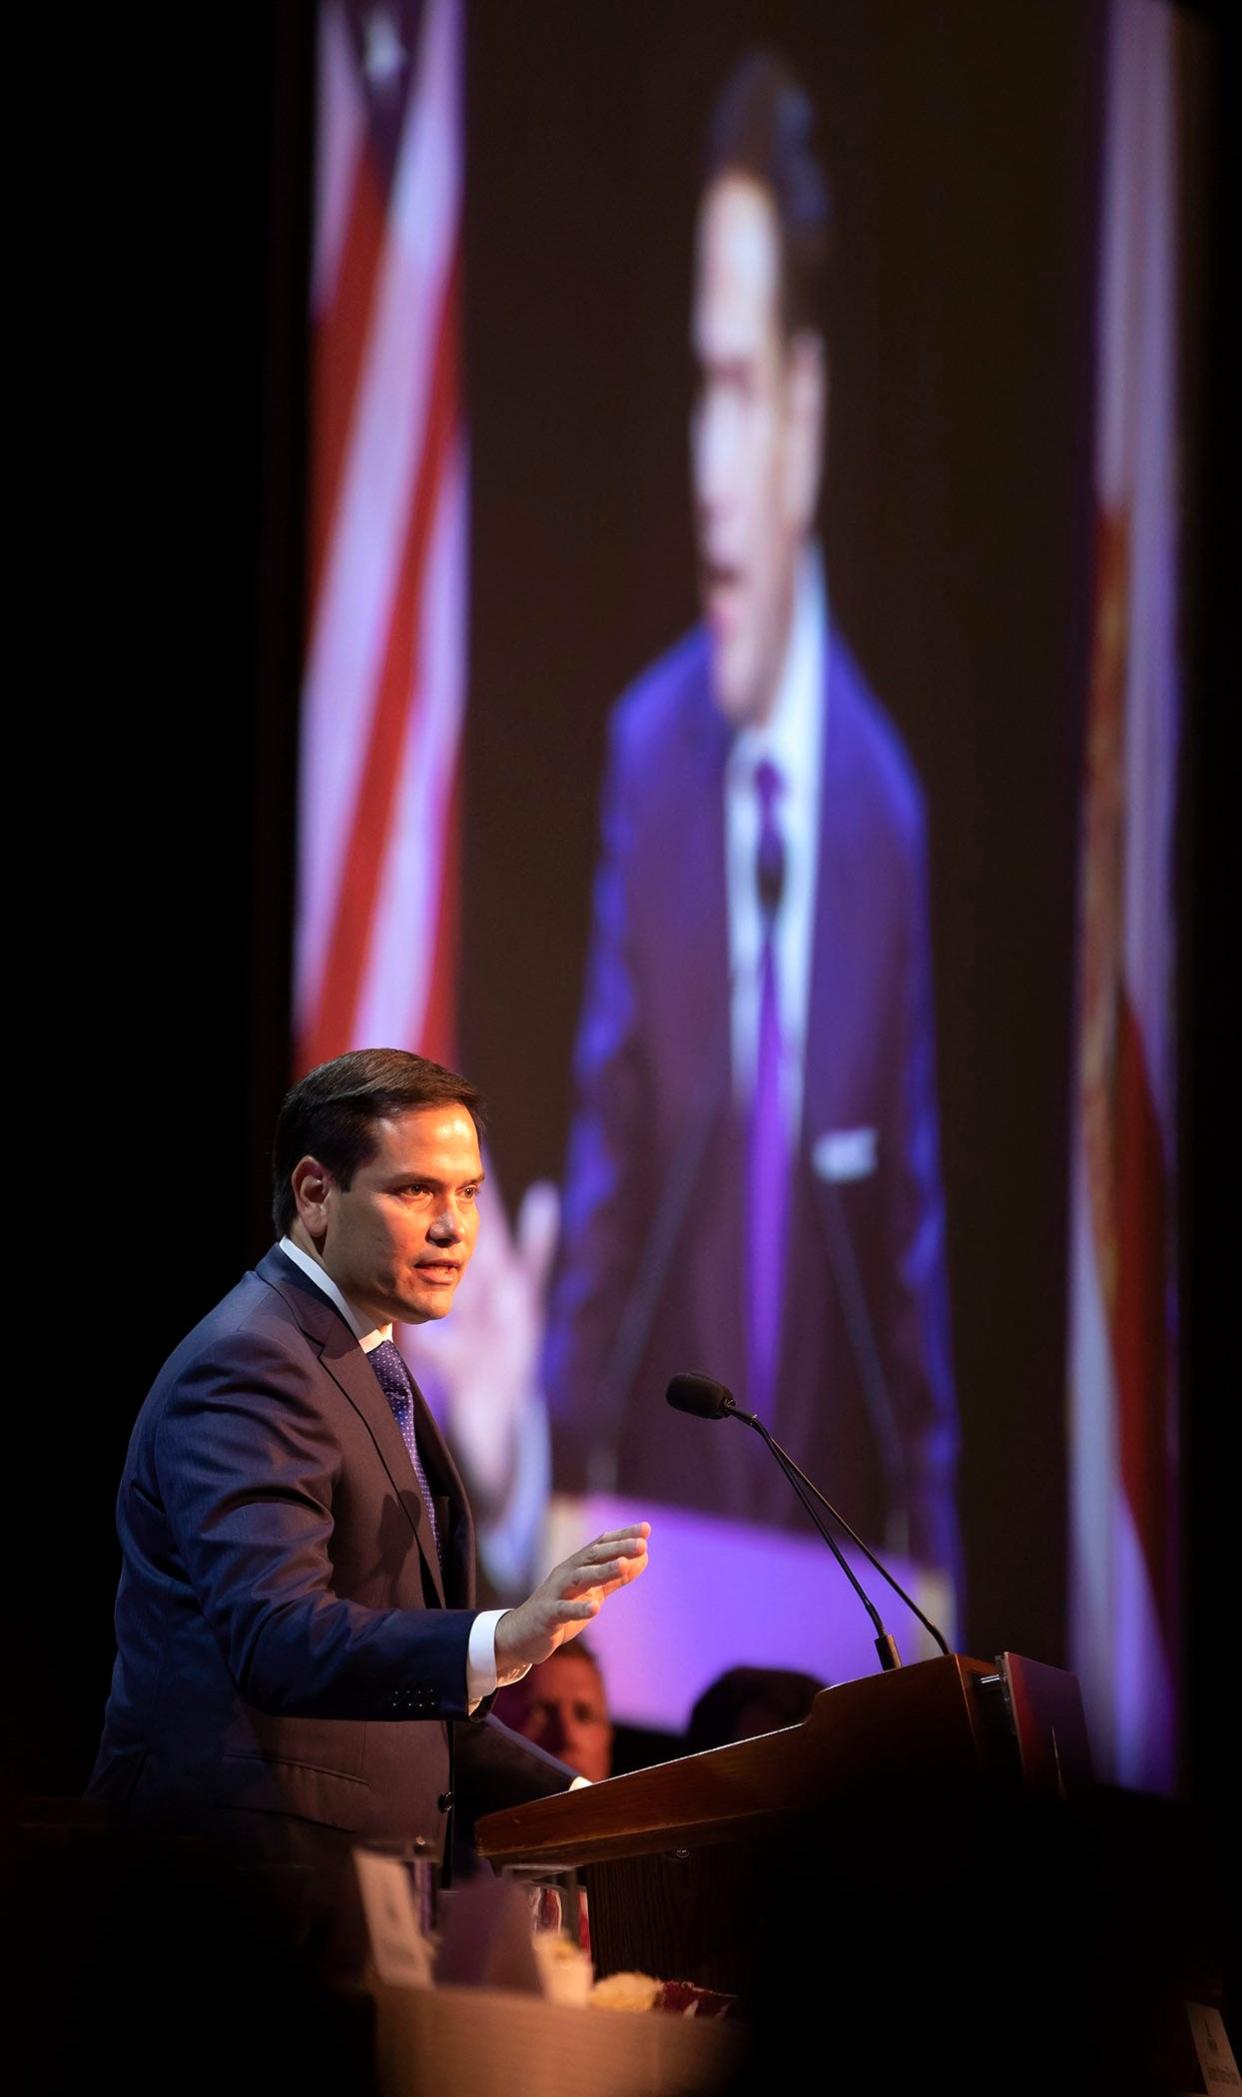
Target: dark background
pixel 152 901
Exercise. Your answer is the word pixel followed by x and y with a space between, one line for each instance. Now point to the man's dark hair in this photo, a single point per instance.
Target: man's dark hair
pixel 763 126
pixel 331 1114
pixel 766 1698
pixel 577 1649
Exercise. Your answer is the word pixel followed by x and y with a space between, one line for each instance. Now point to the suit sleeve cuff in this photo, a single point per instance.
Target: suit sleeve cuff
pixel 481 1676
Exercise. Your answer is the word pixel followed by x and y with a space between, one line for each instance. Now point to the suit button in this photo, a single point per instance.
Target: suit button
pixel 444 1801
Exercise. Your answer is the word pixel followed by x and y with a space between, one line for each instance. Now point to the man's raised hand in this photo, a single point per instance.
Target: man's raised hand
pixel 571 1596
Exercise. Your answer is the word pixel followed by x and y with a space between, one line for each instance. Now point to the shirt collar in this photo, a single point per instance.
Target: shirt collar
pixel 790 730
pixel 368 1337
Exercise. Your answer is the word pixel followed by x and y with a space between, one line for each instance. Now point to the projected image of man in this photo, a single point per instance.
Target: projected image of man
pixel 753 1181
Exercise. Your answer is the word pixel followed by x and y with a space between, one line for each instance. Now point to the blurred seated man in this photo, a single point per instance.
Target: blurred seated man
pixel 747 1701
pixel 562 1706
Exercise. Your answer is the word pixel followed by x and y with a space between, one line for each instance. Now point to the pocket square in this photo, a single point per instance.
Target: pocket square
pixel 845 1154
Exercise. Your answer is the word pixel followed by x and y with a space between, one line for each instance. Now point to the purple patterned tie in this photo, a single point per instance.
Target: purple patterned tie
pixel 397 1384
pixel 767 1163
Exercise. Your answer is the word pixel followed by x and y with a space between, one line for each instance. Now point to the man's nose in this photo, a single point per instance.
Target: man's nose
pixel 446 1225
pixel 714 450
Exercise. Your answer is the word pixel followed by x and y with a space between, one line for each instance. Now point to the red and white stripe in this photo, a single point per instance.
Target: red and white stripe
pixel 1122 1359
pixel 384 685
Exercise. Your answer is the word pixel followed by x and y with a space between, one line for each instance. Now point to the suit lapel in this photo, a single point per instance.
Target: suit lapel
pixel 353 1375
pixel 829 990
pixel 348 1365
pixel 452 1507
pixel 694 1062
pixel 828 997
pixel 702 886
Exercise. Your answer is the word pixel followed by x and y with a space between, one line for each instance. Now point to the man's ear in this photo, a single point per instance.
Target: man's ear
pixel 312 1184
pixel 806 424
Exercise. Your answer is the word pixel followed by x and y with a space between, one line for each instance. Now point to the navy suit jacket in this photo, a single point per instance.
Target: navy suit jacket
pixel 289 1652
pixel 652 1054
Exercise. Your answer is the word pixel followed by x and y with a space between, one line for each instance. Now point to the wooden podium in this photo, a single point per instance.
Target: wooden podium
pixel 683 1862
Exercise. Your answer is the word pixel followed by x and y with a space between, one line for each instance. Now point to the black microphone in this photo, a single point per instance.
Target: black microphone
pixel 708 1400
pixel 700 1395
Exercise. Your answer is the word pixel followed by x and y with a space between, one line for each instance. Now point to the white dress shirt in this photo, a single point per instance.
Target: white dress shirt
pixel 792 740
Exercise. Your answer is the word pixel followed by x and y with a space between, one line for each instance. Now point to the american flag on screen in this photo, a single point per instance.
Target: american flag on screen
pixel 1122 1367
pixel 385 667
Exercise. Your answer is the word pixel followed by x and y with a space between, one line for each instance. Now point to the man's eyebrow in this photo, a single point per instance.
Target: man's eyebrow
pixel 429 1179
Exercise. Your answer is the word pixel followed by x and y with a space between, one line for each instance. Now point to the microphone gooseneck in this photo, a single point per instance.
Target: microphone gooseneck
pixel 706 1399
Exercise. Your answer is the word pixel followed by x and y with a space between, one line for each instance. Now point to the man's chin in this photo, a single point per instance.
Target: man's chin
pixel 425 1310
pixel 734 691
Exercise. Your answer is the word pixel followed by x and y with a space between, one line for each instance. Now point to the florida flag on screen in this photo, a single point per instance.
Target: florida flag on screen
pixel 1122 1368
pixel 386 648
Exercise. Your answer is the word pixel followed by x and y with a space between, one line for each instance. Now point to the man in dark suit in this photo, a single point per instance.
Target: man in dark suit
pixel 753 1183
pixel 298 1651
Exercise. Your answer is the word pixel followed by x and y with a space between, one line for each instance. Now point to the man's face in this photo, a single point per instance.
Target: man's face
pixel 755 442
pixel 397 1240
pixel 560 1705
